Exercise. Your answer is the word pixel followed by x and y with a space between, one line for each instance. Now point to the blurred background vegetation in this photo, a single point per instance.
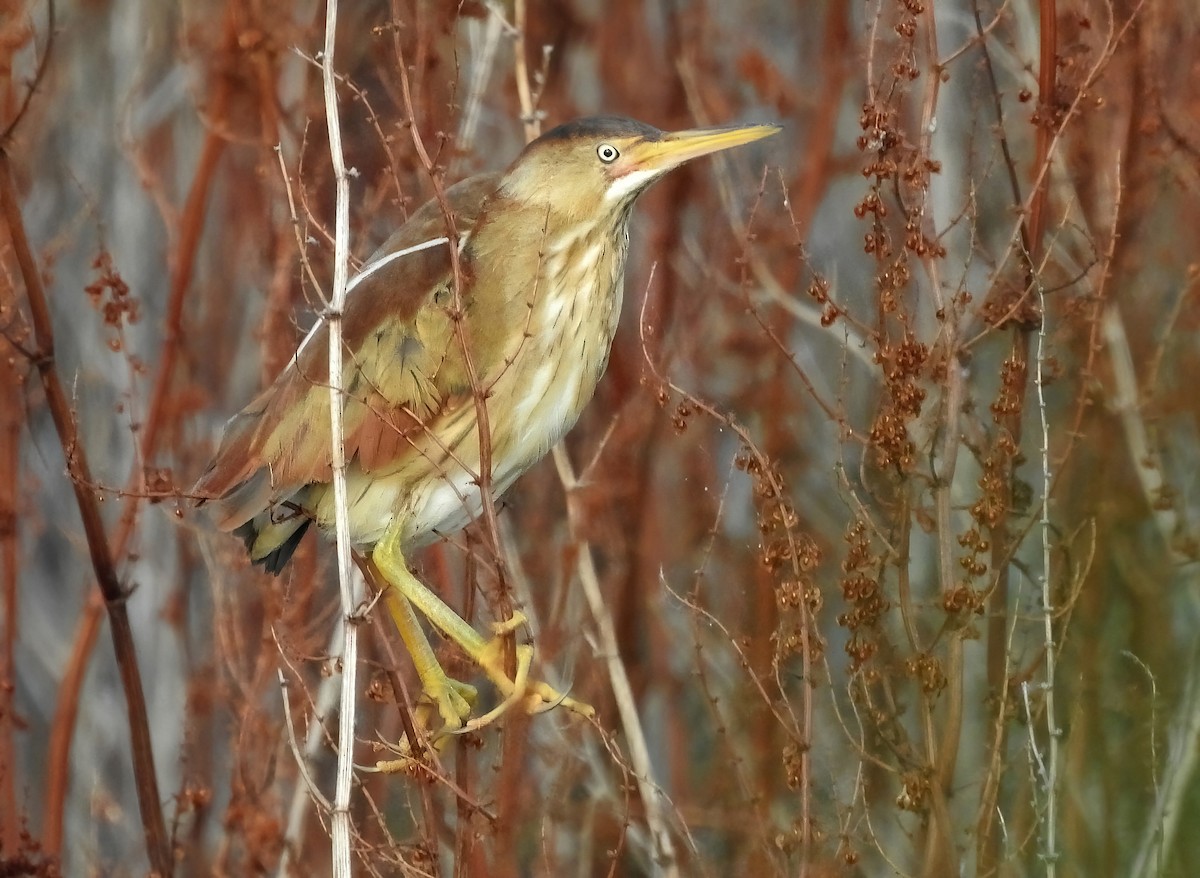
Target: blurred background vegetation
pixel 890 490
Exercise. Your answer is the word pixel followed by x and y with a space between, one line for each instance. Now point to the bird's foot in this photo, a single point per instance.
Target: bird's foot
pixel 443 709
pixel 452 700
pixel 534 696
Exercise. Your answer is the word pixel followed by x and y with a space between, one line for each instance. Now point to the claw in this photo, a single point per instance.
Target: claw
pixel 548 698
pixel 507 626
pixel 517 691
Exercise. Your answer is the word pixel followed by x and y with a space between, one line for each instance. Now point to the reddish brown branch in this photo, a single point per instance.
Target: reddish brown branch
pixel 146 782
pixel 1047 127
pixel 38 77
pixel 817 158
pixel 11 421
pixel 67 707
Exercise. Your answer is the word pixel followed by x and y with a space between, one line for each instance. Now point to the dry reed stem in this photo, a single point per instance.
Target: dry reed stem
pixel 665 858
pixel 341 827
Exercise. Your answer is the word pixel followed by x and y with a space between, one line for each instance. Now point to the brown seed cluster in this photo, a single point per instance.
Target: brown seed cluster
pixel 902 365
pixel 880 127
pixel 790 556
pixel 110 294
pixel 993 490
pixel 1011 395
pixel 793 764
pixel 963 598
pixel 862 591
pixel 927 671
pixel 818 291
pixel 679 418
pixel 976 547
pixel 29 859
pixel 160 483
pixel 914 792
pixel 995 482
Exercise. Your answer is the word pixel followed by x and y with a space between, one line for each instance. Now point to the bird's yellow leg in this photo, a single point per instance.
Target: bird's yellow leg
pixel 442 695
pixel 487 654
pixel 452 698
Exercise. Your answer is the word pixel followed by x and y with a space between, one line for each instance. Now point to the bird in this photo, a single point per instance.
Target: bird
pixel 513 306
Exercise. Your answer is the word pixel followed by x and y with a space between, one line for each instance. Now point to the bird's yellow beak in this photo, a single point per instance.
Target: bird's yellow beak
pixel 675 148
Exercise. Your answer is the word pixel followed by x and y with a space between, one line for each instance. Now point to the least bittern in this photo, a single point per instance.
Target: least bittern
pixel 541 262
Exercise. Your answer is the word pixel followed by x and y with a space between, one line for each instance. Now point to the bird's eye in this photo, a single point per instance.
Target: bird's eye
pixel 607 153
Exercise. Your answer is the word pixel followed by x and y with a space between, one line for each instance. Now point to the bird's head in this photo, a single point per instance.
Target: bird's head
pixel 599 165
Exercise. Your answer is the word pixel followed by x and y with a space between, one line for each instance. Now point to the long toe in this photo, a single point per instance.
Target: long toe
pixel 541 697
pixel 453 700
pixel 534 695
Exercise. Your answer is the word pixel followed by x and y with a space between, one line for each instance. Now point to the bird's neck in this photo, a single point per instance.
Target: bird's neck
pixel 562 287
pixel 559 273
pixel 579 286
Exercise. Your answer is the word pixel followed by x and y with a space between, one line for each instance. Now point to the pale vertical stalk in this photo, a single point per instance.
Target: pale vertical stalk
pixel 639 752
pixel 345 752
pixel 1050 817
pixel 524 93
pixel 1178 780
pixel 484 40
pixel 1144 456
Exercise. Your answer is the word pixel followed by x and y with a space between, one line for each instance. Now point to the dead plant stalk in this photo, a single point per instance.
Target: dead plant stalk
pixel 350 618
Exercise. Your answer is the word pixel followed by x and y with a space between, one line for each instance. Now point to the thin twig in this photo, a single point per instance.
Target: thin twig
pixel 609 650
pixel 38 77
pixel 314 733
pixel 306 791
pixel 666 861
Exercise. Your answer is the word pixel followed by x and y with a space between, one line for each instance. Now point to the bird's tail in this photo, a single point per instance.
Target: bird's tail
pixel 272 543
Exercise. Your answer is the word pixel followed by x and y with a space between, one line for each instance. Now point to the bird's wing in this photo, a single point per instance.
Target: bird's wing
pixel 401 371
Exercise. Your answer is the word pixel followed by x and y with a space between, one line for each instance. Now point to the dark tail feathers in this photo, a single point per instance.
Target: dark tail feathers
pixel 275 560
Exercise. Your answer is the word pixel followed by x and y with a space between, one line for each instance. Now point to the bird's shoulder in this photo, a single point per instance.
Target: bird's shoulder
pixel 405 273
pixel 387 309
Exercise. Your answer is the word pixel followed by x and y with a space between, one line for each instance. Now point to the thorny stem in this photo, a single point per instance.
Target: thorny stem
pixel 1049 820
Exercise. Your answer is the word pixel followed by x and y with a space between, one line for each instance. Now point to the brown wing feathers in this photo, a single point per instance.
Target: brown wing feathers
pixel 280 442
